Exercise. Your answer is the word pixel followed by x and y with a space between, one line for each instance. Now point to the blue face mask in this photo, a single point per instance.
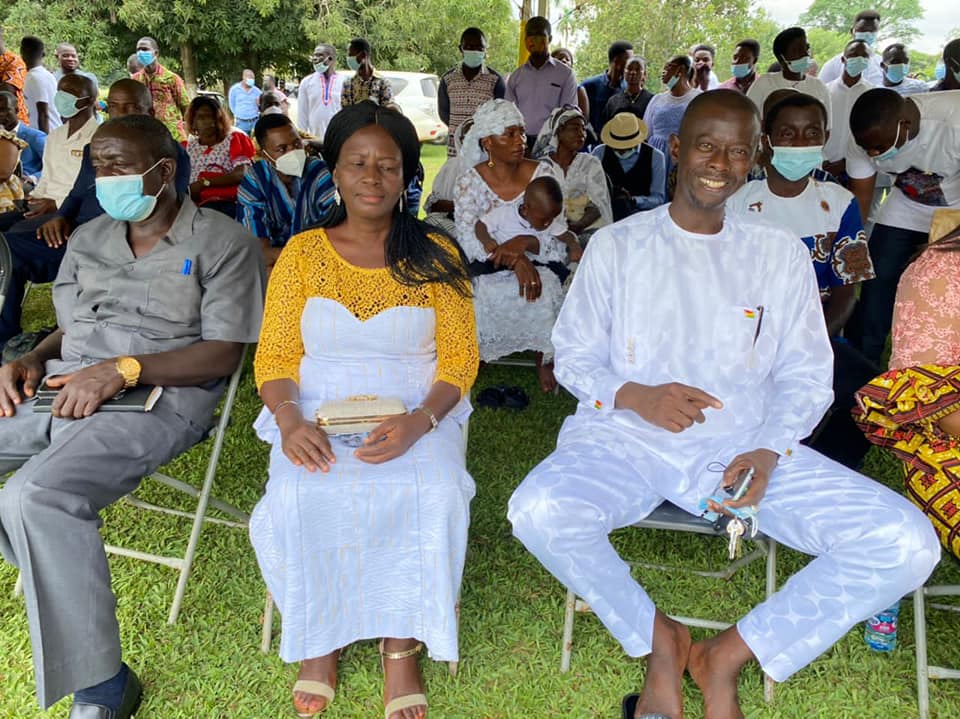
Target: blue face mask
pixel 856 65
pixel 353 63
pixel 626 154
pixel 66 104
pixel 741 70
pixel 321 67
pixel 800 65
pixel 940 71
pixel 671 83
pixel 868 37
pixel 146 57
pixel 122 198
pixel 896 73
pixel 893 151
pixel 796 162
pixel 473 58
pixel 249 81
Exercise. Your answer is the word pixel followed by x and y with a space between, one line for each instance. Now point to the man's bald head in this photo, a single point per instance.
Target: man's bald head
pixel 129 97
pixel 709 105
pixel 78 85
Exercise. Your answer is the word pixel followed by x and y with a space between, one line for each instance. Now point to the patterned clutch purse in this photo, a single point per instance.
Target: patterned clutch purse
pixel 357 414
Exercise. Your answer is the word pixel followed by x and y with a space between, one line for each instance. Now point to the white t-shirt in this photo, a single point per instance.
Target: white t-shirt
pixel 909 86
pixel 826 217
pixel 41 86
pixel 504 223
pixel 932 162
pixel 764 85
pixel 833 69
pixel 841 102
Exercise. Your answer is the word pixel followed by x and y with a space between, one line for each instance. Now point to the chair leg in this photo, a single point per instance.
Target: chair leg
pixel 923 668
pixel 568 615
pixel 267 633
pixel 771 588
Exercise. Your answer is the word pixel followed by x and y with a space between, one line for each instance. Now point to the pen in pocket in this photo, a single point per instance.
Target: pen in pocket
pixel 187 266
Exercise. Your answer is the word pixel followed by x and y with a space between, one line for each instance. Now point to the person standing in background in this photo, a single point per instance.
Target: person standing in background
pixel 13 74
pixel 896 69
pixel 746 55
pixel 319 97
pixel 600 88
pixel 635 97
pixel 244 102
pixel 844 91
pixel 40 86
pixel 542 82
pixel 866 27
pixel 366 84
pixel 170 99
pixel 704 77
pixel 467 86
pixel 68 61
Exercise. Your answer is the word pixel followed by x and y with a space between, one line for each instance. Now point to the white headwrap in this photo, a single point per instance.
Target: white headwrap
pixel 547 140
pixel 491 118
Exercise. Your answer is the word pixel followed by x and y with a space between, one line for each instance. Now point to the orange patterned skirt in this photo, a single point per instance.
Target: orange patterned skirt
pixel 899 410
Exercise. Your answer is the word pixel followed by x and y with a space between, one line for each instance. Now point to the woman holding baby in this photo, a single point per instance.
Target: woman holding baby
pixel 517 297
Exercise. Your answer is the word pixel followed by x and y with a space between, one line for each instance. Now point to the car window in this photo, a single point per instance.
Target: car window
pixel 429 86
pixel 396 84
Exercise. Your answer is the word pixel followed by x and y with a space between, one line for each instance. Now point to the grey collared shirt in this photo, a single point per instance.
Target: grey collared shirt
pixel 203 281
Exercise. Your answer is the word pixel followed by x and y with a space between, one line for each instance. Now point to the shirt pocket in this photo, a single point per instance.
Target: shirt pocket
pixel 173 293
pixel 736 330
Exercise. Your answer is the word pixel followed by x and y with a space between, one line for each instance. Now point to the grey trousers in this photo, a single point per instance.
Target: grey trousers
pixel 69 470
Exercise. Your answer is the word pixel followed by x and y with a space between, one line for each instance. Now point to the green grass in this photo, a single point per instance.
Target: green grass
pixel 208 664
pixel 432 157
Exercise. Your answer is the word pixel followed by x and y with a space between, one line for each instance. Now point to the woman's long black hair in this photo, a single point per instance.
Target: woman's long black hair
pixel 412 256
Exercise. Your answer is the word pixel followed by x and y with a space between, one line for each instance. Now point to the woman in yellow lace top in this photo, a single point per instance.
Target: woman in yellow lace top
pixel 365 537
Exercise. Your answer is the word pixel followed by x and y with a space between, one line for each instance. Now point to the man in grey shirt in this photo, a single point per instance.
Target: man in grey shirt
pixel 155 291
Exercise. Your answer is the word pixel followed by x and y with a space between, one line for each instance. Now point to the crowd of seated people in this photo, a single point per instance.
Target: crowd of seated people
pixel 566 218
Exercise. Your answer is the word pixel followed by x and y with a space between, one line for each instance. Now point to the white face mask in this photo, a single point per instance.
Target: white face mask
pixel 291 163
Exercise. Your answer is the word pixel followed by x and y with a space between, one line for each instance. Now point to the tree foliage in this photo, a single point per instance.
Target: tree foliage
pixel 897 17
pixel 660 29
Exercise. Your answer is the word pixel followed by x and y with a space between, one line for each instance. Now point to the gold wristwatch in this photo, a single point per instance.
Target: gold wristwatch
pixel 129 369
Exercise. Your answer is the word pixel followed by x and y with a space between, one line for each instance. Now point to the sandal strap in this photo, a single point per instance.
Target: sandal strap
pixel 317 688
pixel 401 655
pixel 405 702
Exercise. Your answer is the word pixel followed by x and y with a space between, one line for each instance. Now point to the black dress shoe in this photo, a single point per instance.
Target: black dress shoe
pixel 132 696
pixel 630 706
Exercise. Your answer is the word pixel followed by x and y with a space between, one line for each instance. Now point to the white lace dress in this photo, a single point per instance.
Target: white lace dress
pixel 506 322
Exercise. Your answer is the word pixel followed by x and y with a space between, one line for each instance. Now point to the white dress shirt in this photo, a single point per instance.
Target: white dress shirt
pixel 317 101
pixel 62 157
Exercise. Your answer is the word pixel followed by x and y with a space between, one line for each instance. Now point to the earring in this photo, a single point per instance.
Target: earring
pixel 336 196
pixel 490 162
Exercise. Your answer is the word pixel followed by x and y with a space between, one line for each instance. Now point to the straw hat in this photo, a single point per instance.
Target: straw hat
pixel 623 131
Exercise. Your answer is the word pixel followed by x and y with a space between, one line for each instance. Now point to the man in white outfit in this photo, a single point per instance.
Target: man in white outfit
pixel 719 356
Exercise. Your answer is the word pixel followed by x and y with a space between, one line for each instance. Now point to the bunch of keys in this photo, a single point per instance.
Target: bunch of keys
pixel 744 519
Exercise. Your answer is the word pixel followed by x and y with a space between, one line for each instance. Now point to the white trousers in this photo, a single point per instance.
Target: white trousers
pixel 871 546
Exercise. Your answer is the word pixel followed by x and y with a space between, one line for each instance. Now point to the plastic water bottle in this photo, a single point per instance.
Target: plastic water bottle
pixel 880 631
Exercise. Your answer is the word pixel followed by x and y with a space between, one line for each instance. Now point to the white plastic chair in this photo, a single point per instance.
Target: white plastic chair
pixel 673 519
pixel 925 670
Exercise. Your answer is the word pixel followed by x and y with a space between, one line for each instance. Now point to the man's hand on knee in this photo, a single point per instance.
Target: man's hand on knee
pixel 18 380
pixel 84 391
pixel 674 406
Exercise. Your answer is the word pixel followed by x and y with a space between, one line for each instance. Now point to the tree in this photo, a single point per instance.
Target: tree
pixel 659 30
pixel 897 17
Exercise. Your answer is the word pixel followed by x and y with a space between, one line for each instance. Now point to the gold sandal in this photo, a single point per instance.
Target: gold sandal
pixel 407 700
pixel 314 688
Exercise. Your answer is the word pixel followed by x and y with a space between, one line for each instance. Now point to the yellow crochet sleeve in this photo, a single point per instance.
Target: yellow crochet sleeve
pixel 281 347
pixel 458 353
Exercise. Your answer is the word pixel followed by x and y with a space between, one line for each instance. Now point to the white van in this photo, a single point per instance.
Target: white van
pixel 416 94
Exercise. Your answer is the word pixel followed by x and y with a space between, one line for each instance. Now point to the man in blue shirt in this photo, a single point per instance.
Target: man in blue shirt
pixel 602 87
pixel 284 193
pixel 31 159
pixel 244 102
